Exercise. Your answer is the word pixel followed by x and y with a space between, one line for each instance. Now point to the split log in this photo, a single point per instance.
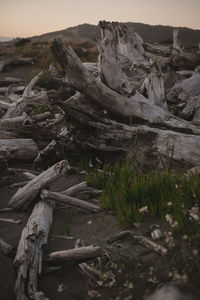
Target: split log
pixel 58 197
pixel 19 106
pixel 30 192
pixel 18 149
pixel 137 107
pixel 77 254
pixel 5 248
pixel 28 260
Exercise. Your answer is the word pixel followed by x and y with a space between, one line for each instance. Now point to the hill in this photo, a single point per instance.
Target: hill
pixel 150 33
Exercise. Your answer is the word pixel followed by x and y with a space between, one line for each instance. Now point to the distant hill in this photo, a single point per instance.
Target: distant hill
pixel 6 39
pixel 150 33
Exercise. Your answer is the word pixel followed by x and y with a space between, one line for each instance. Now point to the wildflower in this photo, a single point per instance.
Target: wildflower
pixel 89 222
pixel 169 204
pixel 195 252
pixel 184 237
pixel 60 288
pixel 156 234
pixel 143 210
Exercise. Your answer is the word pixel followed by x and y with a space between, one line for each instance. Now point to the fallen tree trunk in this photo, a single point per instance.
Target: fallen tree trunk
pixel 18 149
pixel 10 80
pixel 58 197
pixel 137 107
pixel 28 260
pixel 31 191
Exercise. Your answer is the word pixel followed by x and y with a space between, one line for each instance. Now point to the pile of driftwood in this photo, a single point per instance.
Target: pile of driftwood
pixel 137 92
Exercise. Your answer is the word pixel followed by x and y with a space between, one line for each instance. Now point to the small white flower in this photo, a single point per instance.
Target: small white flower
pixel 143 210
pixel 89 222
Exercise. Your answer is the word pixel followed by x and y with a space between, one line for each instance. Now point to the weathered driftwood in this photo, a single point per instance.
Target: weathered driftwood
pixel 15 89
pixel 5 248
pixel 42 116
pixel 98 132
pixel 176 42
pixel 9 220
pixel 80 188
pixel 5 105
pixel 137 107
pixel 90 273
pixel 18 149
pixel 29 175
pixel 13 121
pixel 14 61
pixel 58 197
pixel 31 191
pixel 28 260
pixel 6 209
pixel 141 240
pixel 18 184
pixel 10 80
pixel 18 107
pixel 77 254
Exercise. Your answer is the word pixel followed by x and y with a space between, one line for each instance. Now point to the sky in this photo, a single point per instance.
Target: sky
pixel 23 18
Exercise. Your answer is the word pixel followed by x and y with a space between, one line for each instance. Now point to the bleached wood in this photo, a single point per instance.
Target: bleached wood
pixel 80 188
pixel 19 106
pixel 31 191
pixel 28 260
pixel 29 175
pixel 58 197
pixel 13 121
pixel 136 107
pixel 77 254
pixel 9 220
pixel 19 149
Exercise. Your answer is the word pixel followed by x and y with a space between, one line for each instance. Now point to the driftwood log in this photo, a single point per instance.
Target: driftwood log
pixel 30 192
pixel 77 254
pixel 28 260
pixel 18 149
pixel 65 199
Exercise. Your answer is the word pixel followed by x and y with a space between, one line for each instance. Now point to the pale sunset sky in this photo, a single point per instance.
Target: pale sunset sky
pixel 23 18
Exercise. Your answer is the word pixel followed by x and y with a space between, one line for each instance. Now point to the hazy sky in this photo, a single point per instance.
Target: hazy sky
pixel 22 18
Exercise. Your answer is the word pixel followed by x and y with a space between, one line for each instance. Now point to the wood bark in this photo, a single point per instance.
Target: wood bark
pixel 30 192
pixel 58 197
pixel 28 260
